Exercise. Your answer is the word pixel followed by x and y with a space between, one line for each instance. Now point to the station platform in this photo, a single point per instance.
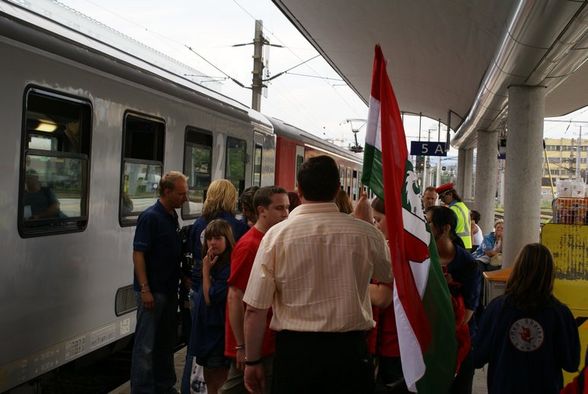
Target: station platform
pixel 479 386
pixel 179 361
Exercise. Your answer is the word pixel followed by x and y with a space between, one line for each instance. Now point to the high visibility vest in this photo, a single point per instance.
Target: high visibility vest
pixel 463 229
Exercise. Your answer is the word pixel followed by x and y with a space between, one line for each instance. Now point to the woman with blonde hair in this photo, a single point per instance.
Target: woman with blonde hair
pixel 220 203
pixel 527 336
pixel 220 196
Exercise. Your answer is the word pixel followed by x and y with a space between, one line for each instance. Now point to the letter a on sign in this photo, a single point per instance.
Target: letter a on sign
pixel 439 151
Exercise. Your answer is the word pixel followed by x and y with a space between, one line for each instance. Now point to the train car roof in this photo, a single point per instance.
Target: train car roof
pixel 54 27
pixel 284 129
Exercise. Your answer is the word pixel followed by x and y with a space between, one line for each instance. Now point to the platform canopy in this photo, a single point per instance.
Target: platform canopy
pixel 454 59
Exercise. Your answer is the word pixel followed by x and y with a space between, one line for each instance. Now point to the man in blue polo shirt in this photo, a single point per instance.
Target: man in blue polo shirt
pixel 156 259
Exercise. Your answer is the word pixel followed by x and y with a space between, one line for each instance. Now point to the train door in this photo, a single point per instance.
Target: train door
pixel 257 164
pixel 264 156
pixel 198 168
pixel 236 162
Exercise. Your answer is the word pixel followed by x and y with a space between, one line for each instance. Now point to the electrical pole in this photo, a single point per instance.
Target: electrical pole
pixel 257 83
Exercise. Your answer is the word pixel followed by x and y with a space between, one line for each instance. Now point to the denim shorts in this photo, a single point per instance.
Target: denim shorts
pixel 214 361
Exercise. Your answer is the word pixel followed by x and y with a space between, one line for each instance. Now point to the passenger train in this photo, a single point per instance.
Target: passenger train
pixel 88 130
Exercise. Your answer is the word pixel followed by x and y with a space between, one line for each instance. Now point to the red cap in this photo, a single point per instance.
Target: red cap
pixel 445 187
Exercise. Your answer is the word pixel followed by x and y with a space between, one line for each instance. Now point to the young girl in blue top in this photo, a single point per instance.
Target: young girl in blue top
pixel 207 340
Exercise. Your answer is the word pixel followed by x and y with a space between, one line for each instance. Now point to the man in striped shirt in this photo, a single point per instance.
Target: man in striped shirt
pixel 314 270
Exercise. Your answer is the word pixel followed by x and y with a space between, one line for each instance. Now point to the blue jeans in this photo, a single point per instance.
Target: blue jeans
pixel 152 365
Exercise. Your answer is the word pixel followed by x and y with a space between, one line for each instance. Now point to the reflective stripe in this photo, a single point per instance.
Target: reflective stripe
pixel 465 235
pixel 466 222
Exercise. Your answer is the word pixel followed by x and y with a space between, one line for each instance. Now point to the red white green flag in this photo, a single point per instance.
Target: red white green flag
pixel 422 303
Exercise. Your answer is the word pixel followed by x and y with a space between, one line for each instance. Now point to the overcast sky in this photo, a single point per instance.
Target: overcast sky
pixel 312 96
pixel 316 101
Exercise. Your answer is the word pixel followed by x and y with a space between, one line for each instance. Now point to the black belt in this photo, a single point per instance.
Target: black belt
pixel 322 334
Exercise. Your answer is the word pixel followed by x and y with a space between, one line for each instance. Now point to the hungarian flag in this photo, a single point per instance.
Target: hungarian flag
pixel 422 303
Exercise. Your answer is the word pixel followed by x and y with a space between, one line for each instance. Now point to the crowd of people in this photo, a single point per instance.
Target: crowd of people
pixel 296 294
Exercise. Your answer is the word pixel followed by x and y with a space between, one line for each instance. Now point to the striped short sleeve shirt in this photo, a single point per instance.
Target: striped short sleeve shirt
pixel 314 270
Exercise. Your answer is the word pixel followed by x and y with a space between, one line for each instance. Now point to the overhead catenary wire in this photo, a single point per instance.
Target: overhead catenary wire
pixel 332 86
pixel 291 68
pixel 287 97
pixel 175 45
pixel 217 68
pixel 226 75
pixel 314 76
pixel 143 27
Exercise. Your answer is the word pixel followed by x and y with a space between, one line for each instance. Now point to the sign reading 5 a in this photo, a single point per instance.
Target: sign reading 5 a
pixel 428 148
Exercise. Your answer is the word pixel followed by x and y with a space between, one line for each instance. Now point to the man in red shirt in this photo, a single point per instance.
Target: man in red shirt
pixel 271 204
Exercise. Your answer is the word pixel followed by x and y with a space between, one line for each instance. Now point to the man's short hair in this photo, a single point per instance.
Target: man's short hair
pixel 318 179
pixel 430 189
pixel 168 181
pixel 263 196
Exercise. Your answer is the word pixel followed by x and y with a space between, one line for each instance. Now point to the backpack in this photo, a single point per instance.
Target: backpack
pixel 187 253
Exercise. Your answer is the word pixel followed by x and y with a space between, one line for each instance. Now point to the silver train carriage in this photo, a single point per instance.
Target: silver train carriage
pixel 91 130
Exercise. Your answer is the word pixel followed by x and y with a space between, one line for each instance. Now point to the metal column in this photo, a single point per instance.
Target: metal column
pixel 486 168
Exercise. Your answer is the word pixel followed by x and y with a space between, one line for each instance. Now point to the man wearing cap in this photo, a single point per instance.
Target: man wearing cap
pixel 449 197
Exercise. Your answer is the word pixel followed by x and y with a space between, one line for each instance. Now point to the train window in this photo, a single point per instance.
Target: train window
pixel 257 160
pixel 55 156
pixel 142 165
pixel 236 162
pixel 198 169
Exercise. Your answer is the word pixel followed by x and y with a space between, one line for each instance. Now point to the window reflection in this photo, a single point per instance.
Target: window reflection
pixel 236 160
pixel 198 169
pixel 142 165
pixel 139 188
pixel 56 158
pixel 53 188
pixel 257 164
